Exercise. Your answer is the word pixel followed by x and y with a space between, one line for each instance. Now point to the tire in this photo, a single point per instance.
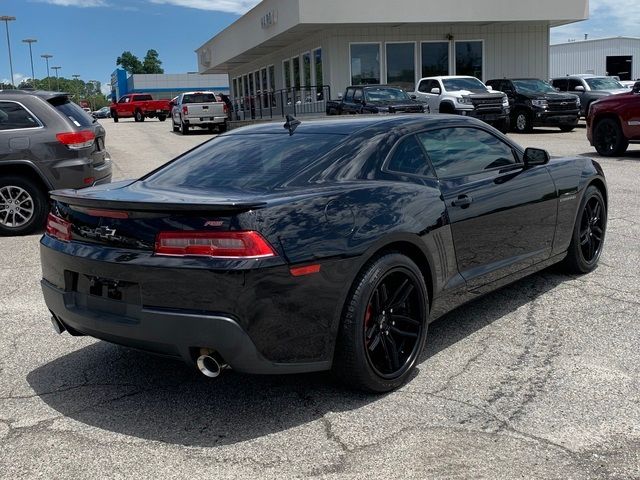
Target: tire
pixel 446 107
pixel 114 115
pixel 222 127
pixel 176 128
pixel 184 128
pixel 162 118
pixel 368 334
pixel 31 199
pixel 588 234
pixel 522 122
pixel 567 128
pixel 138 116
pixel 609 139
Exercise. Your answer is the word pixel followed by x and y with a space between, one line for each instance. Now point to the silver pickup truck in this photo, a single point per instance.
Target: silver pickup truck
pixel 198 109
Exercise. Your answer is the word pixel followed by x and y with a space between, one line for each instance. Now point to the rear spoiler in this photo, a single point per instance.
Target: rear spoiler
pixel 137 206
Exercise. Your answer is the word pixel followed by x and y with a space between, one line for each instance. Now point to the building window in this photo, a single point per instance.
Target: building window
pixel 401 65
pixel 306 68
pixel 296 72
pixel 251 85
pixel 235 87
pixel 469 59
pixel 272 84
pixel 264 87
pixel 245 80
pixel 287 74
pixel 365 63
pixel 319 80
pixel 435 59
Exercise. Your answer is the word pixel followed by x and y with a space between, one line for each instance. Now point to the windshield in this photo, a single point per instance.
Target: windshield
pixel 533 86
pixel 454 84
pixel 260 162
pixel 199 98
pixel 385 95
pixel 603 84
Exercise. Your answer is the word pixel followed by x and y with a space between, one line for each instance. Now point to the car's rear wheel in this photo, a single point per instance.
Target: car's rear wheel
pixel 567 128
pixel 114 115
pixel 588 233
pixel 23 206
pixel 184 128
pixel 162 118
pixel 222 127
pixel 609 139
pixel 522 122
pixel 384 325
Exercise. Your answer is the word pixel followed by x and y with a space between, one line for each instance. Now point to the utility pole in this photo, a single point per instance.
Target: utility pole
pixel 57 79
pixel 33 75
pixel 6 19
pixel 46 56
pixel 76 77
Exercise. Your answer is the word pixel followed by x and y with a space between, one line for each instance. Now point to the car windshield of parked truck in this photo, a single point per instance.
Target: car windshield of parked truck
pixel 258 162
pixel 455 84
pixel 603 84
pixel 199 98
pixel 533 86
pixel 374 95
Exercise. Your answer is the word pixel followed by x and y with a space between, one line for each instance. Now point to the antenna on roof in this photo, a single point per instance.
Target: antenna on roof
pixel 292 124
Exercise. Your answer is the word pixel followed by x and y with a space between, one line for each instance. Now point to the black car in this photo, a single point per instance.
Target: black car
pixel 329 246
pixel 535 103
pixel 46 142
pixel 375 99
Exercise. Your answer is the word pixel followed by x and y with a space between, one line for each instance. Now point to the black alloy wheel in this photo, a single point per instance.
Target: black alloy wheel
pixel 589 233
pixel 384 325
pixel 609 139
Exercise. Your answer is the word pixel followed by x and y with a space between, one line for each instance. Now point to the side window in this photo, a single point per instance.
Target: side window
pixel 463 150
pixel 357 95
pixel 560 84
pixel 123 100
pixel 573 83
pixel 424 86
pixel 348 97
pixel 14 116
pixel 409 157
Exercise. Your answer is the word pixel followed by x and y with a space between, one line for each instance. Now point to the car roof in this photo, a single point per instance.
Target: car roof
pixel 44 94
pixel 348 126
pixel 449 77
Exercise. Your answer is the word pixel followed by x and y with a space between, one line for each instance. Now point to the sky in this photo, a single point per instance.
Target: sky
pixel 86 36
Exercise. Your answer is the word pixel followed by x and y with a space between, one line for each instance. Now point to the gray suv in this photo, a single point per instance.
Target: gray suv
pixel 588 88
pixel 47 142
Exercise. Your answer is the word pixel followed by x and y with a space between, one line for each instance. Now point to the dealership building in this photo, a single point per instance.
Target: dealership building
pixel 165 86
pixel 298 52
pixel 618 56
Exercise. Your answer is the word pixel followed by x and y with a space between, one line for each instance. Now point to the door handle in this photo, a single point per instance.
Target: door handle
pixel 463 201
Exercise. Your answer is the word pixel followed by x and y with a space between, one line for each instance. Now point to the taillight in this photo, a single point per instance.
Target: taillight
pixel 225 108
pixel 185 110
pixel 77 140
pixel 58 228
pixel 214 244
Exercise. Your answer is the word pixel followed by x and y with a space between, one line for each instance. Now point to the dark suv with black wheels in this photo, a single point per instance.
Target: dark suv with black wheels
pixel 535 103
pixel 47 142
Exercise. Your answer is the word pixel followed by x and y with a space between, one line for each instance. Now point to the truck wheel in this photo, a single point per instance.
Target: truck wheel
pixel 114 115
pixel 609 139
pixel 567 128
pixel 222 127
pixel 446 107
pixel 174 126
pixel 184 128
pixel 23 206
pixel 138 116
pixel 162 118
pixel 522 122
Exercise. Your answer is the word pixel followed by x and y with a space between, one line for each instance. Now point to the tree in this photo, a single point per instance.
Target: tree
pixel 152 63
pixel 130 62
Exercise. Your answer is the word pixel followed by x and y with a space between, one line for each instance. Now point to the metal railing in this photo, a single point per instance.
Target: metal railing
pixel 296 101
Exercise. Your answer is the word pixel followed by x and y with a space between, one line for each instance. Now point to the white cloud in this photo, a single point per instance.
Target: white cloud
pixel 105 88
pixel 230 6
pixel 17 77
pixel 77 3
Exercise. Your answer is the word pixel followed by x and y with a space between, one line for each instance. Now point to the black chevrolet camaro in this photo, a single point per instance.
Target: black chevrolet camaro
pixel 330 246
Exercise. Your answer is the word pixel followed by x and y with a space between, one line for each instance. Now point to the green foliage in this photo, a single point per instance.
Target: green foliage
pixel 132 64
pixel 78 89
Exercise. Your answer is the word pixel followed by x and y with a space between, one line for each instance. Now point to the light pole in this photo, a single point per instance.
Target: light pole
pixel 57 79
pixel 75 78
pixel 46 56
pixel 33 75
pixel 6 19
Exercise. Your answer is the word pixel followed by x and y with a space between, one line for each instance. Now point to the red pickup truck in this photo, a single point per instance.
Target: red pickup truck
pixel 140 106
pixel 614 122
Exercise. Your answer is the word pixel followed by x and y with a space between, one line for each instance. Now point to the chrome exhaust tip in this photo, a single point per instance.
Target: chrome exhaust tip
pixel 210 366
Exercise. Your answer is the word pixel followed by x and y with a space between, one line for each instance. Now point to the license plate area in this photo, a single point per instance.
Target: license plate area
pixel 105 288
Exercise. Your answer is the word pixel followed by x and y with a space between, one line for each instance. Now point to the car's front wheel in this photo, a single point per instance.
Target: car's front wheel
pixel 23 206
pixel 588 233
pixel 609 139
pixel 138 116
pixel 384 325
pixel 522 122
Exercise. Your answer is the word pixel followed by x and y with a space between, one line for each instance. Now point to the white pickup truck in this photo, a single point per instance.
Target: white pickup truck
pixel 198 109
pixel 464 96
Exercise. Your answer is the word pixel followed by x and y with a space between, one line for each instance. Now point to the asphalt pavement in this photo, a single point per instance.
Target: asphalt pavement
pixel 537 380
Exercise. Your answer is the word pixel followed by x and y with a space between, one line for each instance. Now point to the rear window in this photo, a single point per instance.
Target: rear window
pixel 199 98
pixel 260 162
pixel 72 111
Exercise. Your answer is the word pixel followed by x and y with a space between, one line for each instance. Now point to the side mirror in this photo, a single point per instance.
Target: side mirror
pixel 340 96
pixel 490 88
pixel 413 97
pixel 535 156
pixel 357 100
pixel 636 87
pixel 579 88
pixel 557 89
pixel 436 91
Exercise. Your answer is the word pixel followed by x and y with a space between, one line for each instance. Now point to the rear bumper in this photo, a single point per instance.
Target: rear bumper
pixel 205 120
pixel 164 332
